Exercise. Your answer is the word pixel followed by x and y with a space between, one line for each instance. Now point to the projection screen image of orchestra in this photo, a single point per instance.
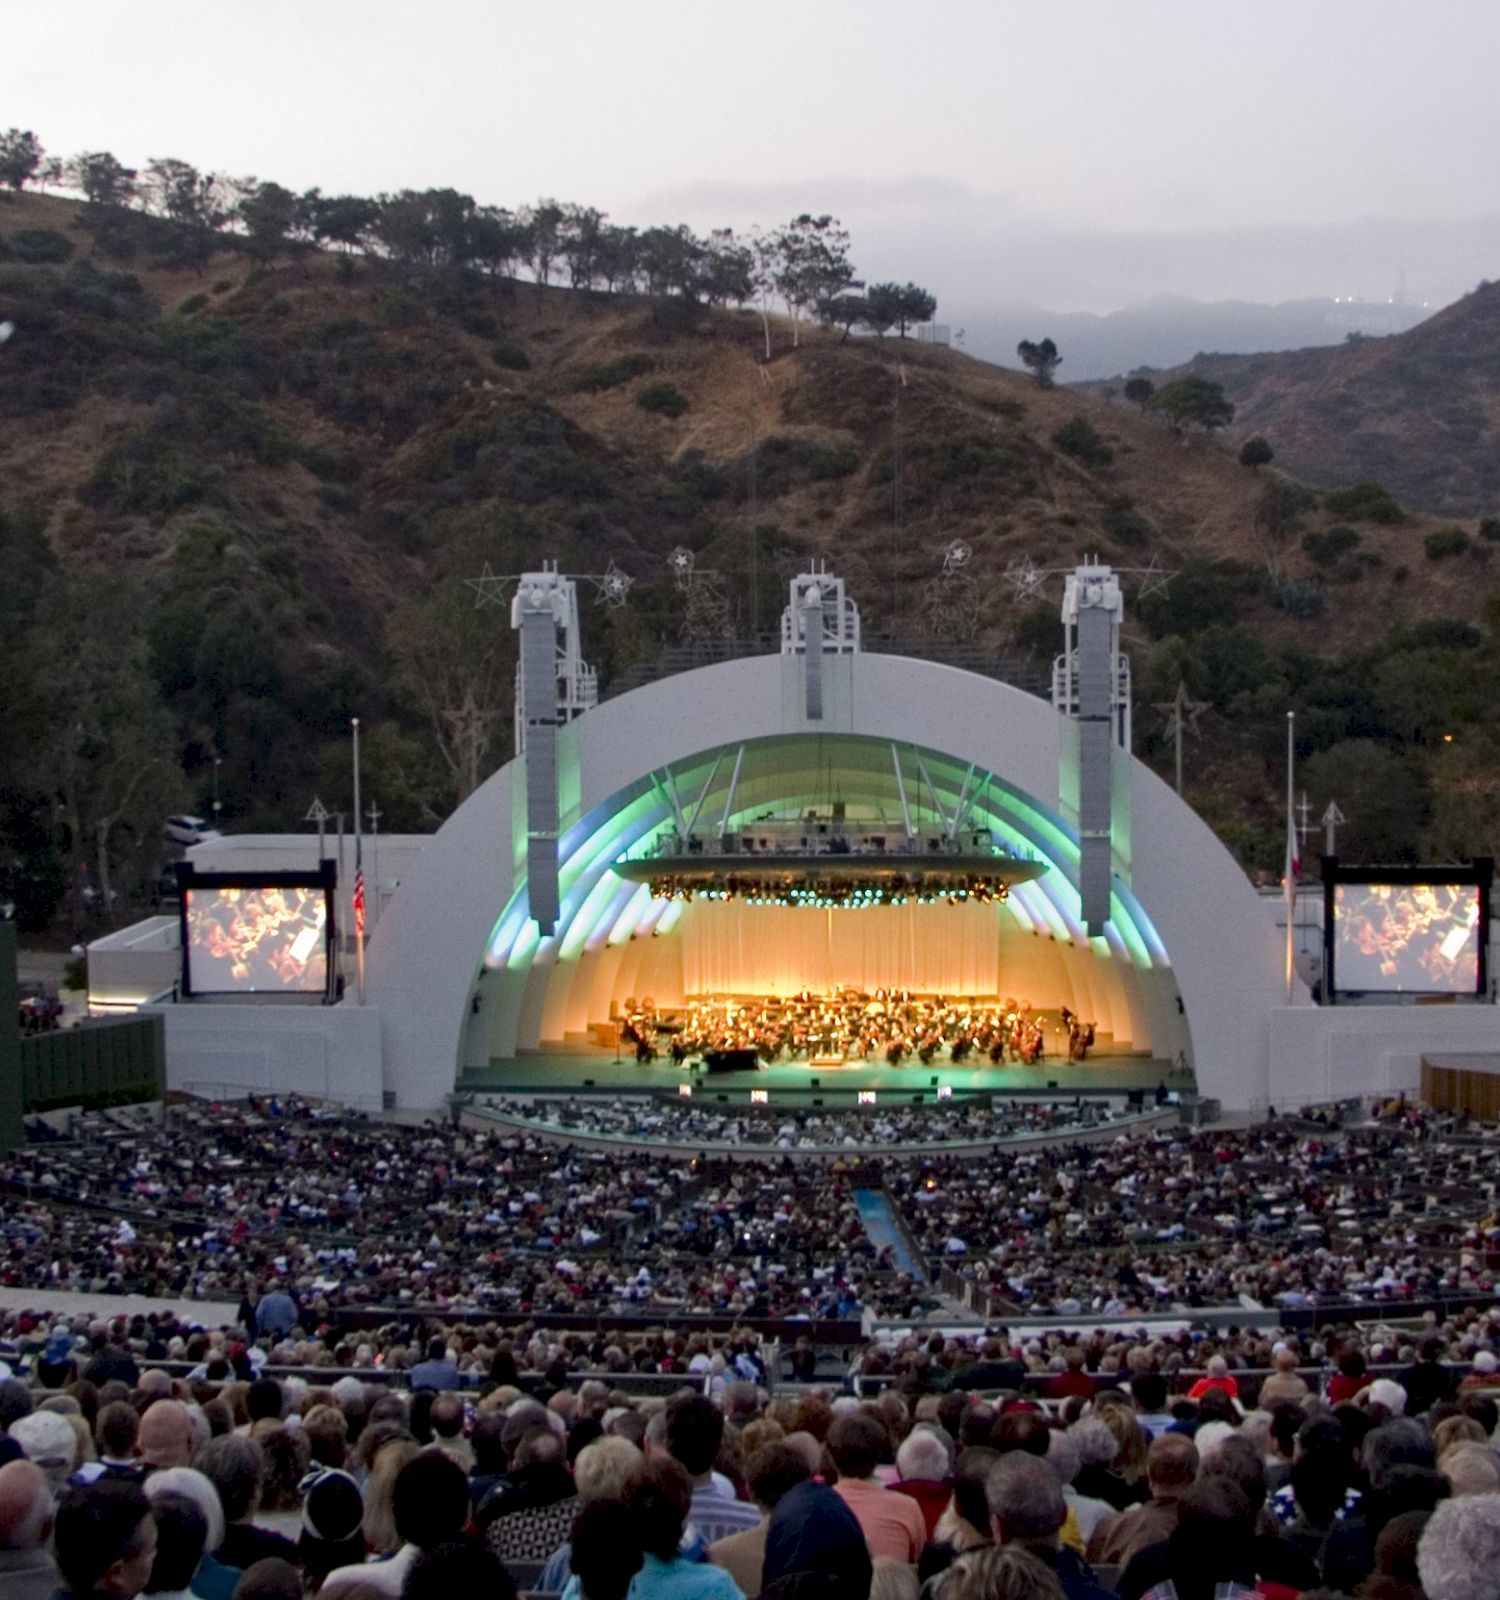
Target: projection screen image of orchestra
pixel 256 939
pixel 1419 937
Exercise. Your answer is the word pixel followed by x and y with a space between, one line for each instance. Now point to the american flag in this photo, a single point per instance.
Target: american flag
pixel 359 901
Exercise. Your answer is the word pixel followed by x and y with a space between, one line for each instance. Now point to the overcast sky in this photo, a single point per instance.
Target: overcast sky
pixel 1075 153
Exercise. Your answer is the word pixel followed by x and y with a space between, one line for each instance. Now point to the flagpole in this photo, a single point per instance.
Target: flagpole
pixel 1291 857
pixel 359 879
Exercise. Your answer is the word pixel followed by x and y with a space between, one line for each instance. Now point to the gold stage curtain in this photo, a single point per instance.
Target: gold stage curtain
pixel 729 948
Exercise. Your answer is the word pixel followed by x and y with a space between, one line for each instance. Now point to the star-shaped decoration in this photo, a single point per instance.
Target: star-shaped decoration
pixel 614 585
pixel 681 562
pixel 1154 578
pixel 489 587
pixel 1182 710
pixel 1025 579
pixel 957 556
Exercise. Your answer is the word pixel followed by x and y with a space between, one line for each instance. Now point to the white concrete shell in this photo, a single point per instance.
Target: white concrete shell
pixel 458 976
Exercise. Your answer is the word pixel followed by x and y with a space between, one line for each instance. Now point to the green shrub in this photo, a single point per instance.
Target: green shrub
pixel 1364 502
pixel 781 463
pixel 1079 438
pixel 194 302
pixel 1489 529
pixel 511 356
pixel 146 475
pixel 662 399
pixel 398 308
pixel 1328 545
pixel 223 285
pixel 611 374
pixel 481 324
pixel 1304 598
pixel 1437 633
pixel 1004 406
pixel 1444 543
pixel 1124 523
pixel 41 246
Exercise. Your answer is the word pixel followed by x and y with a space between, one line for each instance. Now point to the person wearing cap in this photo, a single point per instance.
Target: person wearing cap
pixel 332 1508
pixel 49 1443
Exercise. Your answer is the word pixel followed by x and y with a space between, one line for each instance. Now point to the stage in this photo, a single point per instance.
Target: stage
pixel 598 1071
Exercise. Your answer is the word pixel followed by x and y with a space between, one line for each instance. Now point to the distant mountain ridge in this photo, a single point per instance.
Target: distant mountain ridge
pixel 1418 412
pixel 1168 330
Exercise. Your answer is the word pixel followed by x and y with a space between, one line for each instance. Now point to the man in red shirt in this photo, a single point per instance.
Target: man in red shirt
pixel 1073 1379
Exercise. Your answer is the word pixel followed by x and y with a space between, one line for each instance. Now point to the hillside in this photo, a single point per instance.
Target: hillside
pixel 1418 412
pixel 239 505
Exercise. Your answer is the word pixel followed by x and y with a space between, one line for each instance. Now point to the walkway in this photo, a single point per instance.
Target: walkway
pixel 65 1303
pixel 884 1231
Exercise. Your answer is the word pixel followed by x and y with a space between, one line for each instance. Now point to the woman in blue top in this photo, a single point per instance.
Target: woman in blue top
pixel 657 1505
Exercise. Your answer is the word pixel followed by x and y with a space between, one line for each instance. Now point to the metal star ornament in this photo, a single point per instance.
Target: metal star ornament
pixel 1025 579
pixel 489 587
pixel 1154 578
pixel 614 586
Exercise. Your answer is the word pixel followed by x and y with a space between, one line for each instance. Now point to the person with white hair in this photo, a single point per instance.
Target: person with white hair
pixel 1458 1557
pixel 924 1471
pixel 27 1570
pixel 1387 1393
pixel 49 1443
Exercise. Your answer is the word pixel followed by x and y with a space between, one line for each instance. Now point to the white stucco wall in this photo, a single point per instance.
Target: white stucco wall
pixel 229 1051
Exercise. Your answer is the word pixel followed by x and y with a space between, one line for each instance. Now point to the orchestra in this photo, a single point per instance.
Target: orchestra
pixel 893 1025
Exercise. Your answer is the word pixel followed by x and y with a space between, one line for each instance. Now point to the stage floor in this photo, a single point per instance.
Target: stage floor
pixel 598 1071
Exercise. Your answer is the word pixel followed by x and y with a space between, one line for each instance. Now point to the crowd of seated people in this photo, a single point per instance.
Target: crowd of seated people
pixel 1275 1215
pixel 117 1479
pixel 960 1120
pixel 476 1219
pixel 892 1025
pixel 505 1222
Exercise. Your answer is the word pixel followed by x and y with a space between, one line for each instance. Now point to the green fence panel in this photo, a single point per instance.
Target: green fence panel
pixel 114 1063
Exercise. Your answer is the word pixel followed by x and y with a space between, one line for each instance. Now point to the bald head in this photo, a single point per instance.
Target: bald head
pixel 25 1507
pixel 167 1436
pixel 156 1382
pixel 1171 1464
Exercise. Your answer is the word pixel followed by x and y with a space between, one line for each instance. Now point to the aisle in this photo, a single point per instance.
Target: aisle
pixel 880 1223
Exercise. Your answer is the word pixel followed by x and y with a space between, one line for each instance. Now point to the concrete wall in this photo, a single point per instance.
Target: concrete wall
pixel 135 964
pixel 1327 1052
pixel 228 1051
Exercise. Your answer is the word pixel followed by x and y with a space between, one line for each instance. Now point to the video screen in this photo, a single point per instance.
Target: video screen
pixel 1421 938
pixel 257 939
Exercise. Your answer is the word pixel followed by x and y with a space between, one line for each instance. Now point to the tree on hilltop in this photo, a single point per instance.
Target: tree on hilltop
pixel 271 215
pixel 20 155
pixel 104 181
pixel 845 311
pixel 1139 391
pixel 1256 453
pixel 812 265
pixel 543 234
pixel 1040 360
pixel 345 220
pixel 1193 402
pixel 899 306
